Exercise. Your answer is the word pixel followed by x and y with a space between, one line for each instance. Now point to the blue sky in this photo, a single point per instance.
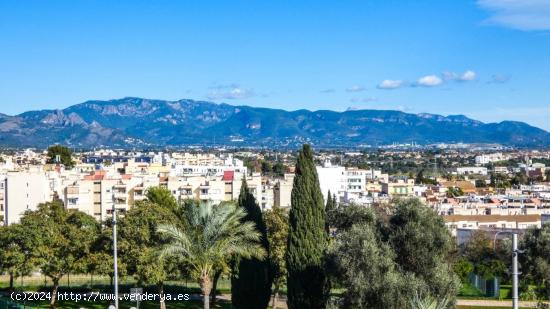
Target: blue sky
pixel 487 59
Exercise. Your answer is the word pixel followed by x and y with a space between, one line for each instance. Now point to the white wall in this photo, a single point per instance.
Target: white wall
pixel 24 191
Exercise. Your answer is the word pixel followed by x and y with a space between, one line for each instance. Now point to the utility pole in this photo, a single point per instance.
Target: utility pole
pixel 115 262
pixel 515 273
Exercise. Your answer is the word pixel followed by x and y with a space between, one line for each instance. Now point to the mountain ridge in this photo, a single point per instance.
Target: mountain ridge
pixel 133 121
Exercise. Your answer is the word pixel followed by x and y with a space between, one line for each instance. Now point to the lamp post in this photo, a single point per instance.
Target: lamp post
pixel 115 262
pixel 515 272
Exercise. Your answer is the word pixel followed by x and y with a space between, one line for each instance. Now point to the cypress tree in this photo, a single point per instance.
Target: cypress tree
pixel 330 206
pixel 307 240
pixel 251 279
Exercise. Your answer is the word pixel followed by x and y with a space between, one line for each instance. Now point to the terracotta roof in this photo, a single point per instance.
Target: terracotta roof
pixel 228 175
pixel 492 218
pixel 94 177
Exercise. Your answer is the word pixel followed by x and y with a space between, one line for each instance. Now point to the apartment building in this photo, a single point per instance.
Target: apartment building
pixel 22 191
pixel 332 178
pixel 454 222
pixel 282 191
pixel 2 200
pixel 399 187
pixel 471 170
pixel 205 164
pixel 488 158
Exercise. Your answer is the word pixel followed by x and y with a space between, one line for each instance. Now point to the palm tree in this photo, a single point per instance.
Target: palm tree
pixel 208 235
pixel 428 303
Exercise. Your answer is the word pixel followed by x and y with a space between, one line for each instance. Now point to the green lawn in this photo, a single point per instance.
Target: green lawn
pixel 83 284
pixel 467 291
pixel 127 305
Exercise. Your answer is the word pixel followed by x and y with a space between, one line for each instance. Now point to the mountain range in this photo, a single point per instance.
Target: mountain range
pixel 138 122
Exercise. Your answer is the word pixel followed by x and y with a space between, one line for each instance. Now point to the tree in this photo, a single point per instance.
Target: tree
pixel 276 221
pixel 463 268
pixel 365 266
pixel 163 198
pixel 343 218
pixel 480 252
pixel 100 260
pixel 14 257
pixel 419 177
pixel 329 207
pixel 279 169
pixel 454 192
pixel 307 284
pixel 332 202
pixel 63 153
pixel 209 234
pixel 140 240
pixel 267 167
pixel 383 262
pixel 535 261
pixel 62 240
pixel 251 279
pixel 422 245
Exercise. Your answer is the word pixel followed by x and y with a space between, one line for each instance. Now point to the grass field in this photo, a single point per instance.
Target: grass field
pixel 127 305
pixel 82 284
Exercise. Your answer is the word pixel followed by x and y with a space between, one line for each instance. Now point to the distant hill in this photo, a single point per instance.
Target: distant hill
pixel 138 122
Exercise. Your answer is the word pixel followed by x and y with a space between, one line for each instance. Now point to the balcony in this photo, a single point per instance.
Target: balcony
pixel 120 194
pixel 139 197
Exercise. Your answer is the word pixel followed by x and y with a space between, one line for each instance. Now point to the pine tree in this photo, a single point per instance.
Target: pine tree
pixel 251 279
pixel 307 240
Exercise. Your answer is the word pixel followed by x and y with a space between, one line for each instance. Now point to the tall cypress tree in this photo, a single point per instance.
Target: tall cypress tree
pixel 251 279
pixel 330 206
pixel 307 240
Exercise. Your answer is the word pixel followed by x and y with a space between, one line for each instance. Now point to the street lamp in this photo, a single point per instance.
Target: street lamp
pixel 515 273
pixel 115 262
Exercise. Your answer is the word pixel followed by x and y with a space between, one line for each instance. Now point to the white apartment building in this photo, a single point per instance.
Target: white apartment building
pixel 488 158
pixel 206 165
pixel 474 222
pixel 332 178
pixel 22 191
pixel 2 200
pixel 471 170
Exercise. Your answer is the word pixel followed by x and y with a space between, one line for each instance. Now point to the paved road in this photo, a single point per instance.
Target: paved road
pixel 494 303
pixel 281 301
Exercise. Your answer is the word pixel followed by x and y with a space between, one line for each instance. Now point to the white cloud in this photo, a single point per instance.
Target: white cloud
pixel 391 84
pixel 464 77
pixel 499 79
pixel 524 15
pixel 329 90
pixel 468 76
pixel 364 100
pixel 355 88
pixel 229 92
pixel 429 81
